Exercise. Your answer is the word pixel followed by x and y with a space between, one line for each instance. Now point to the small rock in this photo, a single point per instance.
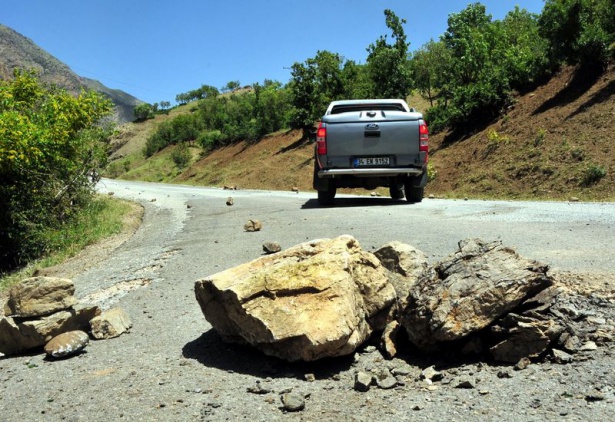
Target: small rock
pixel 465 382
pixel 293 402
pixel 271 247
pixel 253 226
pixel 229 201
pixel 152 200
pixel 589 346
pixel 596 320
pixel 310 377
pixel 370 349
pixel 387 383
pixel 504 374
pixel 362 381
pixel 67 344
pixel 522 364
pixel 572 344
pixel 559 356
pixel 258 389
pixel 431 374
pixel 111 323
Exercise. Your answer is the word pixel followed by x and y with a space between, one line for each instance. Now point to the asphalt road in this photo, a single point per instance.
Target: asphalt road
pixel 172 365
pixel 196 223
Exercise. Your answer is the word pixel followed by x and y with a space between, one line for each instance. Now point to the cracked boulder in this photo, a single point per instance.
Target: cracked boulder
pixel 318 299
pixel 468 291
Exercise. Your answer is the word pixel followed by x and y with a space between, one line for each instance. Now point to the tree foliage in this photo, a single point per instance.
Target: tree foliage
pixel 319 80
pixel 387 64
pixel 222 119
pixel 473 69
pixel 205 91
pixel 50 150
pixel 579 31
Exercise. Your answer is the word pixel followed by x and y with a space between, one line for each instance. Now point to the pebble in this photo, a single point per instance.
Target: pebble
pixel 293 402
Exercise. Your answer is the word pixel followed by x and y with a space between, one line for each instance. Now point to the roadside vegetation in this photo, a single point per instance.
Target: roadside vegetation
pixel 468 83
pixel 99 219
pixel 52 148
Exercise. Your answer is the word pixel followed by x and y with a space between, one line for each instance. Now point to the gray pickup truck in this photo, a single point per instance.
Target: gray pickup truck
pixel 368 144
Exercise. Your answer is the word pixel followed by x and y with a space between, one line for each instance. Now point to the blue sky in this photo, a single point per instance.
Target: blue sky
pixel 156 49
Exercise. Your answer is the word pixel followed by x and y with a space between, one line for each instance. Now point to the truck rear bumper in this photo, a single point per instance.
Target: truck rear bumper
pixel 371 172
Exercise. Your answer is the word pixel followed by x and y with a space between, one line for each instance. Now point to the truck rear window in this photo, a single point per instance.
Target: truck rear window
pixel 347 108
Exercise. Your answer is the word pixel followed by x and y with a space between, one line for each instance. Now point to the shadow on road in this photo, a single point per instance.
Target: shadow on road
pixel 359 201
pixel 211 351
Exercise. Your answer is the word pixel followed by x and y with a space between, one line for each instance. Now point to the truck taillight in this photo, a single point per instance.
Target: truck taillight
pixel 321 139
pixel 424 138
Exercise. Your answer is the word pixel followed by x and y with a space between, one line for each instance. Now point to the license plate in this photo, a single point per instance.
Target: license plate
pixel 373 161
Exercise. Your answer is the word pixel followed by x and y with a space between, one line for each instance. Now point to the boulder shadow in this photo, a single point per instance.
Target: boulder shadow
pixel 210 350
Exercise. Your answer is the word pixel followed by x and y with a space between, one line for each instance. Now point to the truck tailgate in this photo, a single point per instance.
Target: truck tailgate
pixel 372 134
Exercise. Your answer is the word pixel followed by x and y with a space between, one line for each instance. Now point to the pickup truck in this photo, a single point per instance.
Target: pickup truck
pixel 369 144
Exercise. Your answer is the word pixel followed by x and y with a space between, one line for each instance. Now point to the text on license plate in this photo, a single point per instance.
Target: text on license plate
pixel 373 161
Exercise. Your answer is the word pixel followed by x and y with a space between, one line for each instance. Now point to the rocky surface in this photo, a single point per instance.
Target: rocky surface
pixel 171 367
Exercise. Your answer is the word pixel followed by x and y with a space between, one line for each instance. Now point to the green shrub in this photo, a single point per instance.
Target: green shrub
pixel 181 155
pixel 593 174
pixel 51 146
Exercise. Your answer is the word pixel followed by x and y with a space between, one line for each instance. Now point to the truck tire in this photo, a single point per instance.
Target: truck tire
pixel 414 195
pixel 396 190
pixel 326 197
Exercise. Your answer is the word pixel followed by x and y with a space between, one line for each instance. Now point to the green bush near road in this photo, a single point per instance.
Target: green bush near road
pixel 51 149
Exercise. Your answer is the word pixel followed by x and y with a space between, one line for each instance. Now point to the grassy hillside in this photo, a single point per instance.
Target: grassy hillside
pixel 554 143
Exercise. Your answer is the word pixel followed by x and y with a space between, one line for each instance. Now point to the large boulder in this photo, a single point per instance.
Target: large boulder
pixel 319 299
pixel 39 296
pixel 468 291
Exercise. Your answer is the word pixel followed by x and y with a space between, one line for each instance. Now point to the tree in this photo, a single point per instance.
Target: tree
pixel 143 111
pixel 579 31
pixel 271 107
pixel 315 83
pixel 387 64
pixel 427 66
pixel 51 148
pixel 231 86
pixel 525 51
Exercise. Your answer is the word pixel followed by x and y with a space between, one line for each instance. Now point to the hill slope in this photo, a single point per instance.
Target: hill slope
pixel 17 51
pixel 554 143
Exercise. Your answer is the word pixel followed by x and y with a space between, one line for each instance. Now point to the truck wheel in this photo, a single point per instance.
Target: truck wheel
pixel 326 197
pixel 396 190
pixel 414 194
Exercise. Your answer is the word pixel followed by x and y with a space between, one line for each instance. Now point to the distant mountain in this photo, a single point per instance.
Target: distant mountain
pixel 17 51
